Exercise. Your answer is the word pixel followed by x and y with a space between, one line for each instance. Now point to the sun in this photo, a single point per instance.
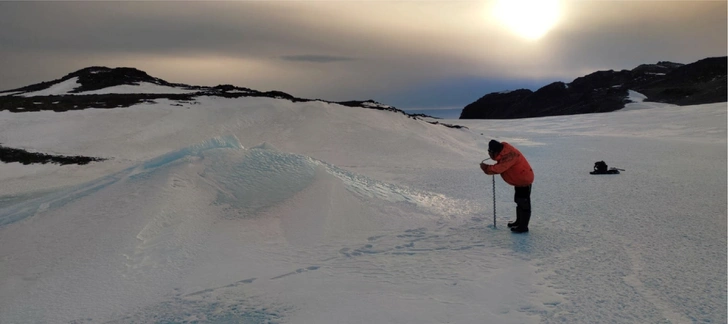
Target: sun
pixel 530 19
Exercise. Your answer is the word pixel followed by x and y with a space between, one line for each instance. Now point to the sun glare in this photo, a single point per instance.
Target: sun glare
pixel 530 19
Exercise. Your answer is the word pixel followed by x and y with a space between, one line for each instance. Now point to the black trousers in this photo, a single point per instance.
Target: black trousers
pixel 523 206
pixel 522 198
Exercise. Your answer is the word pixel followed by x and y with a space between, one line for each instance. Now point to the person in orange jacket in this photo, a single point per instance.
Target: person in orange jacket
pixel 515 170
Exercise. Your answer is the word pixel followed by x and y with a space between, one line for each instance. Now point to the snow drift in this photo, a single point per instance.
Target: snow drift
pixel 262 210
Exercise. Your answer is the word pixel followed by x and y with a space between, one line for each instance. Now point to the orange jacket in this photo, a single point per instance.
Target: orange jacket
pixel 512 166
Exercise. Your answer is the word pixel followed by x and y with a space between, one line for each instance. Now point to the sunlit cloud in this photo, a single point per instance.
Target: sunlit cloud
pixel 342 50
pixel 530 19
pixel 316 58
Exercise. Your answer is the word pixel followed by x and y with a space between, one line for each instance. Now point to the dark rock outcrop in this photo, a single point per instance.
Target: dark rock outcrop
pixel 697 83
pixel 10 155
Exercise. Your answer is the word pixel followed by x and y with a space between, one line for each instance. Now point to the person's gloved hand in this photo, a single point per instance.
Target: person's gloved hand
pixel 485 168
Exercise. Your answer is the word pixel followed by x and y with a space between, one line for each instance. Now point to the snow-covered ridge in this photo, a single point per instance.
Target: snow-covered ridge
pixel 258 177
pixel 142 87
pixel 103 80
pixel 67 88
pixel 61 88
pixel 102 87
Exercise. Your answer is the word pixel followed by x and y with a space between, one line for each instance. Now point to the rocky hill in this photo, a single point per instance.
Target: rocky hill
pixel 112 88
pixel 682 84
pixel 102 87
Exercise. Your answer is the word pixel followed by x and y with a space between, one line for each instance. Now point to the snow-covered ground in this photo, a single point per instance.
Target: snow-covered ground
pixel 65 88
pixel 142 87
pixel 259 210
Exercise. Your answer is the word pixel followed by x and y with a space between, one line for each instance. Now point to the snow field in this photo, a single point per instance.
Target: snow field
pixel 262 210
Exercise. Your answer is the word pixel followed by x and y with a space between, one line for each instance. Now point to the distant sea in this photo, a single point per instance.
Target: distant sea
pixel 441 113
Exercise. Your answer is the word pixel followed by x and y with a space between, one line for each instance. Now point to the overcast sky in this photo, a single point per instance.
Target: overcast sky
pixel 410 54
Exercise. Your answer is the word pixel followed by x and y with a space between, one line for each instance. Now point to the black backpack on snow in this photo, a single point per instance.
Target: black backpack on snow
pixel 601 167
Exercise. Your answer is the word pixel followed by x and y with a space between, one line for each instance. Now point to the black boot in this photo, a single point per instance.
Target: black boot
pixel 515 222
pixel 523 217
pixel 519 230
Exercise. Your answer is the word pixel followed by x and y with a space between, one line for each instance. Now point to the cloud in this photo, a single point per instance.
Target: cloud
pixel 603 35
pixel 316 58
pixel 340 50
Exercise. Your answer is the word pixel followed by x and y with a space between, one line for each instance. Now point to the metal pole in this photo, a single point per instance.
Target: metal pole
pixel 493 194
pixel 494 201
